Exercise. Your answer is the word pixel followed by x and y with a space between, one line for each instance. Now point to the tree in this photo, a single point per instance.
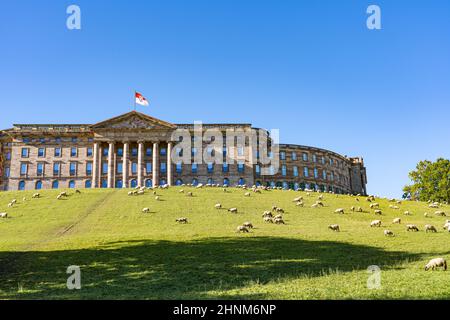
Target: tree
pixel 431 181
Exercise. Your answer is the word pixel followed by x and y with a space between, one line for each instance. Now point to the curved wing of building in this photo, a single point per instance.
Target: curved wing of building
pixel 135 149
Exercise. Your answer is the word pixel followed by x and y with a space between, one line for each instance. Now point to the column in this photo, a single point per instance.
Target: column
pixel 100 167
pixel 126 146
pixel 155 165
pixel 95 166
pixel 169 163
pixel 140 162
pixel 111 165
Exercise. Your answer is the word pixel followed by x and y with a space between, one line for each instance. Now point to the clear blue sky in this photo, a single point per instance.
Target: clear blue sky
pixel 310 68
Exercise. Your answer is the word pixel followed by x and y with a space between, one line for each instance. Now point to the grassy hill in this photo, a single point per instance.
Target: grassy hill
pixel 125 254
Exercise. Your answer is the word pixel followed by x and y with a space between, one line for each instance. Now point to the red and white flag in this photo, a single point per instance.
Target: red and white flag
pixel 140 99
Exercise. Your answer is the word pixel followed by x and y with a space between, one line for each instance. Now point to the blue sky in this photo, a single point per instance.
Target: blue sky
pixel 310 68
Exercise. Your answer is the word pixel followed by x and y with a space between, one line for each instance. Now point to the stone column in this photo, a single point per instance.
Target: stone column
pixel 169 163
pixel 155 165
pixel 100 167
pixel 111 165
pixel 140 181
pixel 95 172
pixel 126 146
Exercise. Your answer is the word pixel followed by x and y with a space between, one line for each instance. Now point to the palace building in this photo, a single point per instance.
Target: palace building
pixel 135 149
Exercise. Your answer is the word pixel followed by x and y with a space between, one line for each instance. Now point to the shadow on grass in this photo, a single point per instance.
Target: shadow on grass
pixel 181 270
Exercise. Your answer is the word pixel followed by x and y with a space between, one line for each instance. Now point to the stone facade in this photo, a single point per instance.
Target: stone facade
pixel 135 149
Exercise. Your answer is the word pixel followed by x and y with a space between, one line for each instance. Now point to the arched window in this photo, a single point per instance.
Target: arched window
pixel 119 184
pixel 149 183
pixel 88 184
pixel 241 181
pixel 296 186
pixel 210 181
pixel 55 184
pixel 71 184
pixel 179 182
pixel 38 185
pixel 104 183
pixel 226 182
pixel 272 184
pixel 194 181
pixel 285 185
pixel 162 182
pixel 133 183
pixel 22 185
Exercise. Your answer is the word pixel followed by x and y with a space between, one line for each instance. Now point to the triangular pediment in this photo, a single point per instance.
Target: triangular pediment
pixel 134 120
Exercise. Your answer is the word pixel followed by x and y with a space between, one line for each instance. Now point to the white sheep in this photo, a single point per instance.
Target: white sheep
pixel 268 219
pixel 389 233
pixel 278 221
pixel 233 210
pixel 182 220
pixel 247 194
pixel 218 206
pixel 241 229
pixel 36 195
pixel 146 210
pixel 397 221
pixel 3 215
pixel 157 198
pixel 375 223
pixel 430 228
pixel 248 225
pixel 378 212
pixel 374 205
pixel 407 213
pixel 436 263
pixel 440 213
pixel 334 227
pixel 412 227
pixel 340 211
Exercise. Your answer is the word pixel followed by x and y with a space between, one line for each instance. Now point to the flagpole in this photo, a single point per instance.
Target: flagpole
pixel 134 100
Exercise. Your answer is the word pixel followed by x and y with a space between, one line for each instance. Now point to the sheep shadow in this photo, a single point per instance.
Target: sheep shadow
pixel 196 269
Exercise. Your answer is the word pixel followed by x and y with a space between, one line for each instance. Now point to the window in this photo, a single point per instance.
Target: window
pixel 88 184
pixel 179 167
pixel 314 158
pixel 283 155
pixel 149 183
pixel 134 168
pixel 89 152
pixel 224 151
pixel 324 174
pixel 331 176
pixel 226 182
pixel 74 152
pixel 285 185
pixel 22 185
pixel 225 167
pixel 7 172
pixel 55 184
pixel 148 167
pixel 194 182
pixel 210 181
pixel 179 152
pixel 40 169
pixel 38 185
pixel 56 168
pixel 163 152
pixel 104 183
pixel 74 139
pixel 194 152
pixel 89 168
pixel 316 173
pixel 134 152
pixel 305 156
pixel 58 152
pixel 73 168
pixel 105 167
pixel 331 162
pixel 105 152
pixel 163 167
pixel 294 156
pixel 8 155
pixel 240 151
pixel 283 170
pixel 120 152
pixel 258 169
pixel 41 152
pixel 194 168
pixel 72 184
pixel 133 183
pixel 241 167
pixel 305 172
pixel 119 184
pixel 25 152
pixel 323 160
pixel 295 169
pixel 23 169
pixel 210 167
pixel 241 182
pixel 26 140
pixel 119 167
pixel 179 182
pixel 148 152
pixel 58 139
pixel 90 139
pixel 42 140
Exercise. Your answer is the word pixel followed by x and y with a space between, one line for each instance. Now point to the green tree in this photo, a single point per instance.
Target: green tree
pixel 431 181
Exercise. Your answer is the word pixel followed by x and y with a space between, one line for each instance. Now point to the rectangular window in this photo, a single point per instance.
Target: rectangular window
pixel 331 176
pixel 225 167
pixel 26 140
pixel 73 168
pixel 40 169
pixel 163 167
pixel 74 139
pixel 305 172
pixel 119 167
pixel 105 152
pixel 210 167
pixel 134 152
pixel 194 168
pixel 305 156
pixel 316 173
pixel 331 162
pixel 283 155
pixel 240 151
pixel 89 152
pixel 41 152
pixel 25 152
pixel 120 152
pixel 148 167
pixel 224 151
pixel 105 167
pixel 23 169
pixel 58 139
pixel 163 152
pixel 194 152
pixel 56 169
pixel 258 169
pixel 134 168
pixel 8 155
pixel 324 174
pixel 241 167
pixel 7 172
pixel 179 167
pixel 58 152
pixel 295 169
pixel 149 152
pixel 42 140
pixel 323 160
pixel 294 156
pixel 89 168
pixel 73 152
pixel 283 170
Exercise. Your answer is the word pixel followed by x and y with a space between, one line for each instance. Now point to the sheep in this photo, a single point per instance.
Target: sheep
pixel 189 194
pixel 146 210
pixel 13 201
pixel 241 229
pixel 218 206
pixel 130 193
pixel 334 227
pixel 340 211
pixel 426 215
pixel 375 223
pixel 447 224
pixel 154 193
pixel 300 204
pixel 278 216
pixel 320 197
pixel 374 205
pixel 247 194
pixel 407 213
pixel 280 210
pixel 78 191
pixel 36 195
pixel 359 209
pixel 233 210
pixel 394 207
pixel 181 191
pixel 440 213
pixel 3 215
pixel 378 212
pixel 274 208
pixel 436 263
pixel 411 227
pixel 248 225
pixel 279 221
pixel 140 192
pixel 434 206
pixel 182 220
pixel 315 205
pixel 298 199
pixel 267 214
pixel 319 203
pixel 24 199
pixel 430 228
pixel 59 197
pixel 10 205
pixel 268 220
pixel 352 209
pixel 397 221
pixel 157 198
pixel 389 233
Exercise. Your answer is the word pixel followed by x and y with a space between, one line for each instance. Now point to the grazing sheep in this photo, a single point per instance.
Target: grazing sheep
pixel 434 206
pixel 248 225
pixel 411 227
pixel 181 191
pixel 389 233
pixel 10 205
pixel 375 223
pixel 3 215
pixel 233 210
pixel 447 224
pixel 241 229
pixel 59 197
pixel 440 213
pixel 268 220
pixel 352 209
pixel 278 216
pixel 140 192
pixel 315 205
pixel 436 263
pixel 397 221
pixel 340 211
pixel 430 228
pixel 130 193
pixel 320 204
pixel 359 209
pixel 278 221
pixel 320 197
pixel 157 198
pixel 407 213
pixel 247 194
pixel 378 212
pixel 14 201
pixel 24 199
pixel 334 227
pixel 146 210
pixel 36 195
pixel 280 210
pixel 298 199
pixel 300 204
pixel 182 220
pixel 267 214
pixel 274 208
pixel 77 191
pixel 374 205
pixel 426 215
pixel 218 206
pixel 189 194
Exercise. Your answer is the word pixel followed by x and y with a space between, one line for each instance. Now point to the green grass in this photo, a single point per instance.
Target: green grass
pixel 125 254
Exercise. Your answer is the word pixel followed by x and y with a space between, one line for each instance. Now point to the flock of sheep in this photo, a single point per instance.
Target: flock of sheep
pixel 275 215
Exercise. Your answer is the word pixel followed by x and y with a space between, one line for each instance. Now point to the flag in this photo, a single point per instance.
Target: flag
pixel 140 99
